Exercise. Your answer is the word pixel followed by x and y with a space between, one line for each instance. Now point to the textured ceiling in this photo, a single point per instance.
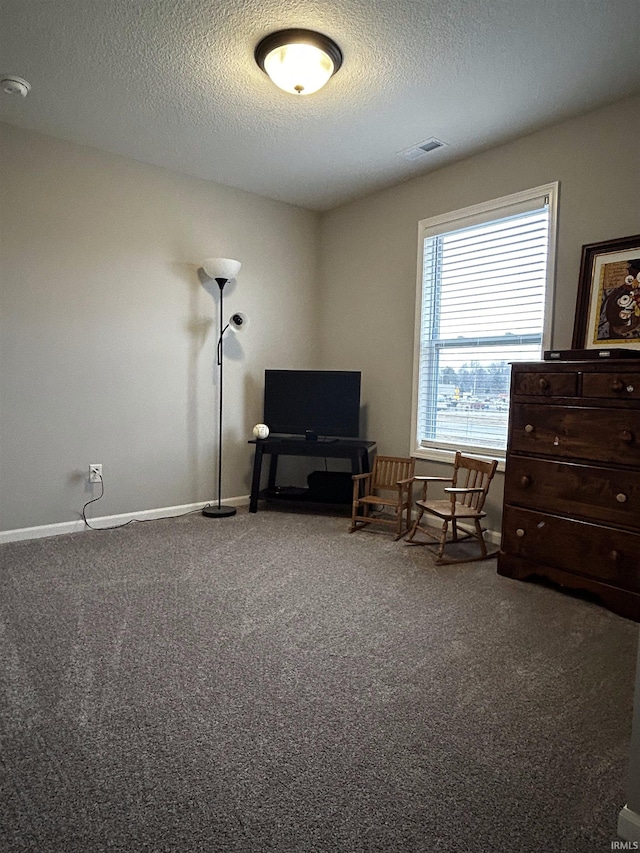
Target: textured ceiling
pixel 174 82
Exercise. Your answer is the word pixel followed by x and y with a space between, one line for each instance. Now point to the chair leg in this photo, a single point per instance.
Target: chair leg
pixel 354 512
pixel 354 516
pixel 443 538
pixel 408 514
pixel 416 525
pixel 454 530
pixel 484 554
pixel 399 523
pixel 480 535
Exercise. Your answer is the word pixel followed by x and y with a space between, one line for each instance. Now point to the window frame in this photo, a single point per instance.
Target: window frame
pixel 477 214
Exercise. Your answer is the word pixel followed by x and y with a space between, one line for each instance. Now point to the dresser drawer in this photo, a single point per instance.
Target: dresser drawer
pixel 568 432
pixel 612 386
pixel 546 384
pixel 597 494
pixel 593 551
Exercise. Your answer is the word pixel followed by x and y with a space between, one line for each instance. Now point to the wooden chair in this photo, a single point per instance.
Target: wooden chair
pixel 466 496
pixel 388 484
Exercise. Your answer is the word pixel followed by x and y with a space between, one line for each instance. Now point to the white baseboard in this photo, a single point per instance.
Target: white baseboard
pixel 629 827
pixel 105 521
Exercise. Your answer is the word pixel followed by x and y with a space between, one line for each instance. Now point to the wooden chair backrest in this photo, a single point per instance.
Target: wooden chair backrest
pixel 469 473
pixel 387 470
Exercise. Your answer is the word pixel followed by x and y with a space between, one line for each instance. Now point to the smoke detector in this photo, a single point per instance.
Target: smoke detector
pixel 13 85
pixel 422 148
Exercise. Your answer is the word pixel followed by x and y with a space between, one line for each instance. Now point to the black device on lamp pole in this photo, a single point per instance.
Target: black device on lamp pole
pixel 222 270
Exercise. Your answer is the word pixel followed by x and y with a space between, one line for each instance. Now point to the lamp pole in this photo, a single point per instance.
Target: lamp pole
pixel 220 511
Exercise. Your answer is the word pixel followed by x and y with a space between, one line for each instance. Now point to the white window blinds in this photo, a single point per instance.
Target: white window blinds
pixel 482 298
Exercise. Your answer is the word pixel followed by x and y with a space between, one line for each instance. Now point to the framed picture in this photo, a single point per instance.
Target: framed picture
pixel 608 303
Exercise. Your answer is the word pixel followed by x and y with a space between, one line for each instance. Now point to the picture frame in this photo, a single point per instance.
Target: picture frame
pixel 608 301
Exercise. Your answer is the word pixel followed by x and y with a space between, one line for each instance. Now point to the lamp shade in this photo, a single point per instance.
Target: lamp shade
pixel 298 61
pixel 225 268
pixel 238 321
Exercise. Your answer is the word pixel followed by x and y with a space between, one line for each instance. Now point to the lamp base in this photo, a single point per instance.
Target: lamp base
pixel 219 511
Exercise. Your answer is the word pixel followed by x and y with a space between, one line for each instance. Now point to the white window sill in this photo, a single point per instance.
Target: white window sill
pixel 434 454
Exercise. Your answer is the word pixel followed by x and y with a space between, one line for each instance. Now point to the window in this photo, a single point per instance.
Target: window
pixel 484 300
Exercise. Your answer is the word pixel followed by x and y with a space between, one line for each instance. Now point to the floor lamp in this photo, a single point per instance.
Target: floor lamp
pixel 222 270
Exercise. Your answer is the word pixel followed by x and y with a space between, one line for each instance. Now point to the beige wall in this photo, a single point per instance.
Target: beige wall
pixel 107 344
pixel 107 337
pixel 369 250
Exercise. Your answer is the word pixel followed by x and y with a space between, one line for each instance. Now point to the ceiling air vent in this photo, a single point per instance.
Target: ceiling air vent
pixel 422 148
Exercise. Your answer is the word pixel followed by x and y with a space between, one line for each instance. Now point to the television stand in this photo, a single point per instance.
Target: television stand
pixel 358 451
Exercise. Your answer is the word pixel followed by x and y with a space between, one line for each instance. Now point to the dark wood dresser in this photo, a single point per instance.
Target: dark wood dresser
pixel 572 483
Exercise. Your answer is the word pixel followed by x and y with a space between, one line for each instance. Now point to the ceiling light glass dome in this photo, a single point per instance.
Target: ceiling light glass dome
pixel 298 61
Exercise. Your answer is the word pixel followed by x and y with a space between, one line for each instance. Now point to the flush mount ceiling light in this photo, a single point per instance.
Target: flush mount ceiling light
pixel 298 61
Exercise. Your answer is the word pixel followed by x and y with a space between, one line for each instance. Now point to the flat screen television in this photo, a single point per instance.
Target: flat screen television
pixel 315 404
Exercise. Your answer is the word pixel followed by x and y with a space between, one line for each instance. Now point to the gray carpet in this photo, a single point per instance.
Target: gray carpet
pixel 271 683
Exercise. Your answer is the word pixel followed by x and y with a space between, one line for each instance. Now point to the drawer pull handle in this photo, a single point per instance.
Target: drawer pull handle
pixel 543 384
pixel 525 481
pixel 626 436
pixel 520 532
pixel 529 428
pixel 621 498
pixel 619 385
pixel 615 556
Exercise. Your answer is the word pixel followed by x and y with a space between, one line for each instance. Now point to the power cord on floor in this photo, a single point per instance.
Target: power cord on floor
pixel 131 520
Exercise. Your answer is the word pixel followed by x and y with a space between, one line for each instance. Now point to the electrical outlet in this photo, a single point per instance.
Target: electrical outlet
pixel 95 472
